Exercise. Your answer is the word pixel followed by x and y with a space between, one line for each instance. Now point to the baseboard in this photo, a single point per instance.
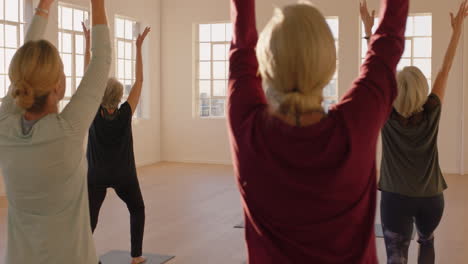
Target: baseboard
pixel 146 163
pixel 209 162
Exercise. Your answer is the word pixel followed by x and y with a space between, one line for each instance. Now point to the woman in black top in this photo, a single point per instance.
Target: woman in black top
pixel 110 152
pixel 411 180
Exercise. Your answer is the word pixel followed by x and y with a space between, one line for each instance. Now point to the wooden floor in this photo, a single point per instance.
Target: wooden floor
pixel 191 210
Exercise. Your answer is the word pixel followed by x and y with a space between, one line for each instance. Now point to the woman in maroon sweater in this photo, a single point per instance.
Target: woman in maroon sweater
pixel 308 179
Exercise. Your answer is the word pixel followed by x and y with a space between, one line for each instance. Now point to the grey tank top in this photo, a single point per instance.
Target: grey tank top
pixel 410 156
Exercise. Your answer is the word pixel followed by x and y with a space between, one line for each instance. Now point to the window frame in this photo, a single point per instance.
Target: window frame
pixel 410 38
pixel 136 26
pixel 332 100
pixel 197 109
pixel 20 25
pixel 72 86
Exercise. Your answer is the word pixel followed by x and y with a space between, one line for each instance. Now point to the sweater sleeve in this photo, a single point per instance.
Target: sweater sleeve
pixel 35 32
pixel 368 103
pixel 79 113
pixel 245 86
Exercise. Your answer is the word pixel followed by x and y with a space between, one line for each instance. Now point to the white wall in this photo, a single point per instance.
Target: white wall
pixel 146 133
pixel 185 138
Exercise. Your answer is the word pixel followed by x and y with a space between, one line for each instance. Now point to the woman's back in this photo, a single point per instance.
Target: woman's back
pixel 410 158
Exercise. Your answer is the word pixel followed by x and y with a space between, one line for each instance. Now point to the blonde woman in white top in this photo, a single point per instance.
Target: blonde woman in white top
pixel 41 149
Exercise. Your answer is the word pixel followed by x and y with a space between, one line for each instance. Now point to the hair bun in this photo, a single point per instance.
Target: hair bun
pixel 24 94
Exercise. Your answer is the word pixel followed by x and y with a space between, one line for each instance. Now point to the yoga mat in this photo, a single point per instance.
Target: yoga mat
pixel 379 231
pixel 123 257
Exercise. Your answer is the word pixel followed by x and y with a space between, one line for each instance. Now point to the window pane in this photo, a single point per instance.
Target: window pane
pixel 12 14
pixel 63 104
pixel 423 47
pixel 2 40
pixel 218 32
pixel 128 51
pixel 364 48
pixel 67 18
pixel 127 87
pixel 119 28
pixel 204 88
pixel 423 26
pixel 205 70
pixel 3 89
pixel 228 32
pixel 7 82
pixel 79 44
pixel 77 82
pixel 330 90
pixel 9 53
pixel 217 107
pixel 2 61
pixel 334 27
pixel 11 36
pixel 410 27
pixel 128 29
pixel 79 65
pixel 204 33
pixel 228 49
pixel 219 70
pixel 128 69
pixel 120 49
pixel 22 10
pixel 77 19
pixel 227 69
pixel 1 9
pixel 67 64
pixel 68 88
pixel 59 16
pixel 22 34
pixel 408 49
pixel 425 66
pixel 403 63
pixel 204 107
pixel 219 88
pixel 205 51
pixel 219 52
pixel 121 69
pixel 66 42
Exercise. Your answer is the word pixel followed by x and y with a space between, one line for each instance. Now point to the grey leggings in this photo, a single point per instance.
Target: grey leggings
pixel 398 214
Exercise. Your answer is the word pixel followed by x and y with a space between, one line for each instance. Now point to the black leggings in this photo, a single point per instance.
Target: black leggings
pixel 398 214
pixel 131 195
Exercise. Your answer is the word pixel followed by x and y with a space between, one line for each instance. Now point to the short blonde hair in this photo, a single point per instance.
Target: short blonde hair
pixel 34 71
pixel 113 94
pixel 297 58
pixel 413 90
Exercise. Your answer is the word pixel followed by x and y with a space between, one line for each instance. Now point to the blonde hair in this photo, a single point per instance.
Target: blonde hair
pixel 297 58
pixel 412 91
pixel 35 70
pixel 113 94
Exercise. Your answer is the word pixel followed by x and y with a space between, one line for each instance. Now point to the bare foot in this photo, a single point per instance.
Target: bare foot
pixel 138 260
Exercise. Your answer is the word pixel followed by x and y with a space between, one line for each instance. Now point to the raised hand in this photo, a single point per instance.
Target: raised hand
pixel 87 34
pixel 457 21
pixel 367 18
pixel 141 37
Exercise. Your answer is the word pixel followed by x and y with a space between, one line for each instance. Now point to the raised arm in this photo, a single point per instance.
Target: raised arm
pixel 369 102
pixel 135 93
pixel 245 87
pixel 82 108
pixel 368 20
pixel 35 32
pixel 441 80
pixel 87 35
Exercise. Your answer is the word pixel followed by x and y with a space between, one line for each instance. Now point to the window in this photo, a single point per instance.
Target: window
pixel 214 42
pixel 330 93
pixel 126 32
pixel 12 27
pixel 71 46
pixel 418 47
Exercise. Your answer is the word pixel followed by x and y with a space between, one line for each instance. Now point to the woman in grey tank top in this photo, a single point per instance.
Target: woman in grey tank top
pixel 411 180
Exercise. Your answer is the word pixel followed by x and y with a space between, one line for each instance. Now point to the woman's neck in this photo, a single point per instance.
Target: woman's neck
pixel 302 120
pixel 32 116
